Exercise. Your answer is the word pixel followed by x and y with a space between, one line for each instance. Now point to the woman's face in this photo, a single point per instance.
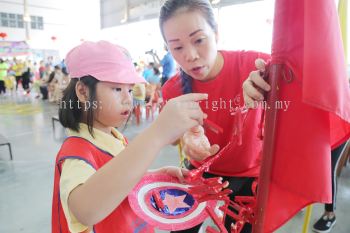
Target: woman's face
pixel 193 44
pixel 114 104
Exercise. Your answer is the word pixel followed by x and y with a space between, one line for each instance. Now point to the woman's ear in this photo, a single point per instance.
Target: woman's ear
pixel 82 92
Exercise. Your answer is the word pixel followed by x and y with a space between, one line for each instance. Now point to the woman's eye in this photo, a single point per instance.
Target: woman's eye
pixel 130 90
pixel 199 41
pixel 118 89
pixel 177 48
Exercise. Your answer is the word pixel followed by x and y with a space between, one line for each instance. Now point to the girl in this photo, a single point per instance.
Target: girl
pixel 190 32
pixel 94 169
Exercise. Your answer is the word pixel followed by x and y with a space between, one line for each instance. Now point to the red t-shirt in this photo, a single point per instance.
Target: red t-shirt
pixel 224 96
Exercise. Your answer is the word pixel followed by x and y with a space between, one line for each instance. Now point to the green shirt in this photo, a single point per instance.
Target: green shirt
pixel 3 70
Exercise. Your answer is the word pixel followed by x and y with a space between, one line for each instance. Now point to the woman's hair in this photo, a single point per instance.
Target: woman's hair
pixel 171 8
pixel 71 110
pixel 186 82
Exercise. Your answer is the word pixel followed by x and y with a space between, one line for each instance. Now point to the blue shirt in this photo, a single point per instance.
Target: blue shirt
pixel 169 66
pixel 147 72
pixel 153 79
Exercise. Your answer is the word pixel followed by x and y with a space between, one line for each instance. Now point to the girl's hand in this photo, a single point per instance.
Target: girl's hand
pixel 196 145
pixel 255 86
pixel 179 115
pixel 177 172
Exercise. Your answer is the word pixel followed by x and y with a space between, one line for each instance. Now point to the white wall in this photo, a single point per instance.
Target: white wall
pixel 68 21
pixel 136 37
pixel 247 26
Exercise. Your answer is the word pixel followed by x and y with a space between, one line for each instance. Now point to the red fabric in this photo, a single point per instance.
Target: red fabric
pixel 307 40
pixel 122 219
pixel 226 91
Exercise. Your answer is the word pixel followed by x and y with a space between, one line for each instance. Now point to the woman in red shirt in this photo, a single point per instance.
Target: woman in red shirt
pixel 190 32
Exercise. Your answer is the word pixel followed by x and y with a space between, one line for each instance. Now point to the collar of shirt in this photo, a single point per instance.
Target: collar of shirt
pixel 113 143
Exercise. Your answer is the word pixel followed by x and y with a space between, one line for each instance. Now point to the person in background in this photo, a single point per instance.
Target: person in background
pixel 56 84
pixel 26 78
pixel 10 82
pixel 327 221
pixel 18 68
pixel 63 67
pixel 3 74
pixel 153 89
pixel 139 96
pixel 148 70
pixel 41 69
pixel 167 63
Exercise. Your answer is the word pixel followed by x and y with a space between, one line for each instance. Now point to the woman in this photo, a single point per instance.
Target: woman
pixel 190 33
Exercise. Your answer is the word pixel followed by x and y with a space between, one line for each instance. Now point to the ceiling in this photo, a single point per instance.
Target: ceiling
pixel 116 12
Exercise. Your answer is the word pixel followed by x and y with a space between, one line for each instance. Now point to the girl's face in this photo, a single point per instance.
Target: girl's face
pixel 193 44
pixel 114 104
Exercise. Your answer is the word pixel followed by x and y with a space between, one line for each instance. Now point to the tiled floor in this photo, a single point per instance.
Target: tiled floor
pixel 26 182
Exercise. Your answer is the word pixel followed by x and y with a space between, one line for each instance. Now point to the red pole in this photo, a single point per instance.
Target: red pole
pixel 268 148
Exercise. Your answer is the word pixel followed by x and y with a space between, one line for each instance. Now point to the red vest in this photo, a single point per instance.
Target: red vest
pixel 121 220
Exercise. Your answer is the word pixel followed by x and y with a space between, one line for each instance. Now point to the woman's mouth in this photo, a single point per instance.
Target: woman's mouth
pixel 197 70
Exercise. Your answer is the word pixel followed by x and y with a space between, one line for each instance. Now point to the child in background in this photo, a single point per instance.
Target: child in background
pixel 139 95
pixel 95 170
pixel 3 74
pixel 153 89
pixel 10 82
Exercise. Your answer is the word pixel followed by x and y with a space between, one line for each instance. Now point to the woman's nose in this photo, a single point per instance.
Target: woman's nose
pixel 191 54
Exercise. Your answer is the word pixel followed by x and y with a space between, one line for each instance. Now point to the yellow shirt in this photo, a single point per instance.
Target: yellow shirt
pixel 18 68
pixel 139 91
pixel 75 172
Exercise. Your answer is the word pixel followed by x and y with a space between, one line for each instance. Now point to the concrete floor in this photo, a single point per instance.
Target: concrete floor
pixel 26 182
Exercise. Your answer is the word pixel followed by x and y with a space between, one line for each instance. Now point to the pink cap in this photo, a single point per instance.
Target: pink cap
pixel 104 61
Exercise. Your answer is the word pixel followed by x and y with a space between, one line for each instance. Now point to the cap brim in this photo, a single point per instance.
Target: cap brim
pixel 117 76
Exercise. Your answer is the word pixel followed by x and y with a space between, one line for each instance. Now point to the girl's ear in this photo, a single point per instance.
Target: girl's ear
pixel 82 92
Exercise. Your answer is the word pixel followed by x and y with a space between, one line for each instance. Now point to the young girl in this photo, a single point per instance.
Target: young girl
pixel 190 32
pixel 95 170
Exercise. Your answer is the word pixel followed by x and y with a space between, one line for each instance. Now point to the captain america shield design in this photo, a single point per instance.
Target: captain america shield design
pixel 166 204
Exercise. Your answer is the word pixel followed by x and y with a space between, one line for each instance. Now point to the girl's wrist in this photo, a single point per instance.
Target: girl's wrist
pixel 154 133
